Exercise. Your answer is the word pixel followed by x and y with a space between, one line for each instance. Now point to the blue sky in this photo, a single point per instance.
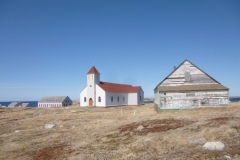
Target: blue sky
pixel 48 46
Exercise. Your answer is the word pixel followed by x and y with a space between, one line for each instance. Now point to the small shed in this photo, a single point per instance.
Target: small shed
pixel 15 104
pixel 189 86
pixel 55 101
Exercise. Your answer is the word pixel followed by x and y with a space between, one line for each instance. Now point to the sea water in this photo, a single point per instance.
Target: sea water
pixel 32 103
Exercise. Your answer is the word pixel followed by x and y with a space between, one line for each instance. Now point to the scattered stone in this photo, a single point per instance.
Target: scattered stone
pixel 198 141
pixel 140 128
pixel 49 126
pixel 17 131
pixel 73 126
pixel 56 113
pixel 147 140
pixel 227 157
pixel 214 146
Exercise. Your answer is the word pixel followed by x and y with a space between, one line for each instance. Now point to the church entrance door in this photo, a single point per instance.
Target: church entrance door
pixel 90 102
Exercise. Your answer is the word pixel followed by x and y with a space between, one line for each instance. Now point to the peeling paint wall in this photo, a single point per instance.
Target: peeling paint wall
pixel 193 99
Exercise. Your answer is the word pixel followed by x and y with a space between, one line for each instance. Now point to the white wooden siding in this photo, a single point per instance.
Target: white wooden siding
pixel 115 99
pixel 82 95
pixel 100 93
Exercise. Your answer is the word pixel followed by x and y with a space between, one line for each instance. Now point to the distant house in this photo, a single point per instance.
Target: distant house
pixel 15 104
pixel 104 94
pixel 26 105
pixel 189 86
pixel 55 101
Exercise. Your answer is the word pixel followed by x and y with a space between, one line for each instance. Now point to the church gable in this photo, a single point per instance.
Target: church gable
pixel 187 74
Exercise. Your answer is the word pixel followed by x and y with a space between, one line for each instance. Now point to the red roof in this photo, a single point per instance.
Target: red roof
pixel 93 70
pixel 119 88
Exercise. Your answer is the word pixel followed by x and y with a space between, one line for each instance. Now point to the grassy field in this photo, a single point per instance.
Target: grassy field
pixel 111 133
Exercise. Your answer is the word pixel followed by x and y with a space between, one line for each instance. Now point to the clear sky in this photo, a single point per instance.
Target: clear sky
pixel 48 46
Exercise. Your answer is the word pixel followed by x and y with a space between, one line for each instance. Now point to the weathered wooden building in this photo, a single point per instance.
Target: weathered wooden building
pixel 189 86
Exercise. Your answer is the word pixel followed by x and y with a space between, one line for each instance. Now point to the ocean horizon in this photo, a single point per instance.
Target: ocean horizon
pixel 35 103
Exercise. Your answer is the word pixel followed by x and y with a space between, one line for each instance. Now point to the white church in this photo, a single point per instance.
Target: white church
pixel 105 94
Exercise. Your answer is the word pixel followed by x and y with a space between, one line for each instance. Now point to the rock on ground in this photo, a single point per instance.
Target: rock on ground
pixel 49 126
pixel 214 146
pixel 140 128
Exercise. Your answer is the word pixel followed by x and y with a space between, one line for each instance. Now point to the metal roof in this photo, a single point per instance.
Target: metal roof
pixel 14 104
pixel 202 87
pixel 118 88
pixel 53 99
pixel 26 104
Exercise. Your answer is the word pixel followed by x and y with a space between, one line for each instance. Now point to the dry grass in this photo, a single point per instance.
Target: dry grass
pixel 103 133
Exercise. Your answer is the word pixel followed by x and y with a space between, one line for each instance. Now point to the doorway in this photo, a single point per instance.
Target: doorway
pixel 90 102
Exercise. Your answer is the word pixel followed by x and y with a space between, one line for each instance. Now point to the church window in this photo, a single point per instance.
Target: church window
pixel 112 99
pixel 140 98
pixel 99 99
pixel 118 99
pixel 123 99
pixel 85 99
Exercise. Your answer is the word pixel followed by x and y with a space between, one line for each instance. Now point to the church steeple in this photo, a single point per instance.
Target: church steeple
pixel 93 70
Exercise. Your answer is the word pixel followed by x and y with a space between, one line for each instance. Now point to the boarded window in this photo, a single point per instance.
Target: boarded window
pixel 187 76
pixel 190 94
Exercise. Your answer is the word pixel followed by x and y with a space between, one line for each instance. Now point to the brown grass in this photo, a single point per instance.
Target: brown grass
pixel 103 133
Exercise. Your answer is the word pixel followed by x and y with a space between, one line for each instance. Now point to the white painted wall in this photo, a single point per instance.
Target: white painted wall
pixel 43 105
pixel 100 93
pixel 140 93
pixel 132 98
pixel 115 99
pixel 82 95
pixel 91 87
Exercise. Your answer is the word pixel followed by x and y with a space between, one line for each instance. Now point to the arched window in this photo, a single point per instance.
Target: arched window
pixel 85 99
pixel 99 99
pixel 123 99
pixel 118 98
pixel 112 99
pixel 140 98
